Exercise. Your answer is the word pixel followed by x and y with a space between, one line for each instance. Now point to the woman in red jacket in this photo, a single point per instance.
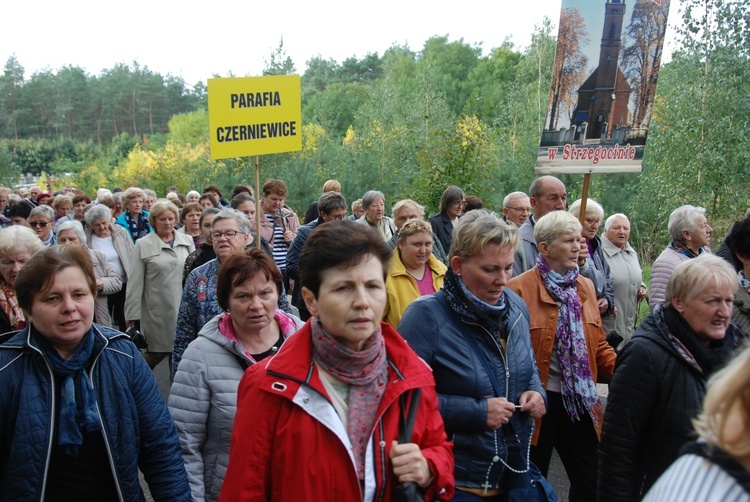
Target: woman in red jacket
pixel 319 421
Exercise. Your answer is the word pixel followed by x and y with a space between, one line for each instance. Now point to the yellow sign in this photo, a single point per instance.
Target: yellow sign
pixel 254 115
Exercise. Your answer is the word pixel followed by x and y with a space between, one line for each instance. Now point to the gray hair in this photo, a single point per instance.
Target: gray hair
pixel 450 196
pixel 555 224
pixel 684 219
pixel 370 197
pixel 17 238
pixel 43 210
pixel 147 191
pixel 227 214
pixel 610 221
pixel 192 193
pixel 693 276
pixel 97 212
pixel 511 196
pixel 103 192
pixel 592 206
pixel 75 226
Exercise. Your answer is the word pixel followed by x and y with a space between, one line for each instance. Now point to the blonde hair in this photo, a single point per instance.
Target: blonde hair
pixel 693 276
pixel 555 224
pixel 592 207
pixel 728 394
pixel 479 228
pixel 331 186
pixel 159 207
pixel 413 227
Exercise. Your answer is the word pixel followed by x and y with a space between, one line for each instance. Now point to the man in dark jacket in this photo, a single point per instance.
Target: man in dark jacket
pixel 331 206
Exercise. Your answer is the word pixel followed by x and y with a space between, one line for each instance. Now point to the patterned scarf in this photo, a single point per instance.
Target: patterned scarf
pixel 465 303
pixel 138 228
pixel 77 397
pixel 744 281
pixel 577 384
pixel 680 248
pixel 9 304
pixel 366 373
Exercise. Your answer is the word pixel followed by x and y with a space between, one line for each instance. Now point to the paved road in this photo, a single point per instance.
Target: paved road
pixel 557 475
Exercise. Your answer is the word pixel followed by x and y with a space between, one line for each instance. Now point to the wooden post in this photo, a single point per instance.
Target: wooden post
pixel 584 197
pixel 258 212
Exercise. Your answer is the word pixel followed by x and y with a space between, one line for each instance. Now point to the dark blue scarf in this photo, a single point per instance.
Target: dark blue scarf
pixel 77 397
pixel 139 228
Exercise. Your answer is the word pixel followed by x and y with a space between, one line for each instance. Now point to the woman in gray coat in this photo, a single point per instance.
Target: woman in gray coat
pixel 203 399
pixel 155 281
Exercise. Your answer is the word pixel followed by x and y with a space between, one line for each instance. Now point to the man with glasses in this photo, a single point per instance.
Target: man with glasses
pixel 42 220
pixel 230 232
pixel 331 206
pixel 516 208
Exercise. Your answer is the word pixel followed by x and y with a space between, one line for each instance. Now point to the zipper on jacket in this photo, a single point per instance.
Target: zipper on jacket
pixel 104 430
pixel 51 426
pixel 499 350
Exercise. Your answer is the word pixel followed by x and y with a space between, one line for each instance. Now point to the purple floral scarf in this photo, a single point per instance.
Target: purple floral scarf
pixel 577 384
pixel 366 373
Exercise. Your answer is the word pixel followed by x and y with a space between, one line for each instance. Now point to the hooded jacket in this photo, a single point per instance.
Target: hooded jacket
pixel 288 440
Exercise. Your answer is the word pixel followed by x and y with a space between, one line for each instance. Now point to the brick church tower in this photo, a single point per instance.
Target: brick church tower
pixel 603 98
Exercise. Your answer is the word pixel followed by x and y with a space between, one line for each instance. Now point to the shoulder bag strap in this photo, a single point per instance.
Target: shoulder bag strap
pixel 406 423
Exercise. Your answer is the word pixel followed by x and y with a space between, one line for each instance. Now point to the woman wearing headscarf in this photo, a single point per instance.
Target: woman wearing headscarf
pixel 661 376
pixel 571 351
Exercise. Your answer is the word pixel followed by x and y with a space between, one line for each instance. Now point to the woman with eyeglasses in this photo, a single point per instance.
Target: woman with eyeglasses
pixel 155 282
pixel 452 205
pixel 42 220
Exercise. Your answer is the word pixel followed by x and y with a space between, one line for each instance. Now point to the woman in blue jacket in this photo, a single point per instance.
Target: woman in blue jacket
pixel 474 333
pixel 80 411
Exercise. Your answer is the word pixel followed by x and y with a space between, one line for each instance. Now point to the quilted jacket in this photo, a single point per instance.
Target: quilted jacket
pixel 203 402
pixel 657 389
pixel 438 335
pixel 138 430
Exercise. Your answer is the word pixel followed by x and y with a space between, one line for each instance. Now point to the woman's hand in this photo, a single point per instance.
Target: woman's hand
pixel 409 465
pixel 642 293
pixel 499 411
pixel 532 402
pixel 99 284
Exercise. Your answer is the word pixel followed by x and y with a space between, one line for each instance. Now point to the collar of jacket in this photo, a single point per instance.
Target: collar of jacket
pixel 293 366
pixel 547 298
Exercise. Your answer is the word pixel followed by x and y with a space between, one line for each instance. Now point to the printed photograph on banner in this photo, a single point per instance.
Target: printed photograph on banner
pixel 603 86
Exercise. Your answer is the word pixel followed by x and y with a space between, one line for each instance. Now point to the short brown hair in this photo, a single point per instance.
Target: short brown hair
pixel 241 267
pixel 339 243
pixel 158 208
pixel 212 188
pixel 274 186
pixel 193 206
pixel 39 272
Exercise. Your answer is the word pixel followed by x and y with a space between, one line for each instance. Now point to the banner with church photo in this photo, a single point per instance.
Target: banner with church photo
pixel 603 87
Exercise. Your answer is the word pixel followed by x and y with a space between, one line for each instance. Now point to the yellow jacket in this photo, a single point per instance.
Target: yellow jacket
pixel 402 288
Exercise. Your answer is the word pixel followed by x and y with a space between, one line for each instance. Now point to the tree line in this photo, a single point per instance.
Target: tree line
pixel 411 122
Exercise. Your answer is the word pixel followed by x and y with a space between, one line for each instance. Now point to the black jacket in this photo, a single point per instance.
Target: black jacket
pixel 442 228
pixel 656 391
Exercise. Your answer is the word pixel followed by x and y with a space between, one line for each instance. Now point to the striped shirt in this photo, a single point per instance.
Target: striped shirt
pixel 279 246
pixel 696 479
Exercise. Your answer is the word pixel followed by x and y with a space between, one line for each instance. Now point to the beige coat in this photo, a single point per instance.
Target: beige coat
pixel 155 287
pixel 122 243
pixel 112 284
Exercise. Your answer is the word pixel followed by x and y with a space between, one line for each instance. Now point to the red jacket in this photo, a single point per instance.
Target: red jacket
pixel 288 442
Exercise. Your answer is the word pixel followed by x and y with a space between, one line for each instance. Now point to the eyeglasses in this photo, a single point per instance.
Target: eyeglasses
pixel 460 203
pixel 229 234
pixel 521 209
pixel 41 224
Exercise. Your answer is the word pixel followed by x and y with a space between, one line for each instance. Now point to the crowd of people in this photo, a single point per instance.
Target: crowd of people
pixel 451 355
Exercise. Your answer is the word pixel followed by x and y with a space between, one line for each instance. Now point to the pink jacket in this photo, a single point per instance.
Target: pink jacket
pixel 288 442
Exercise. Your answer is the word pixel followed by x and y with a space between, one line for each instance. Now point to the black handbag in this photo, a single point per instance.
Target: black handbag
pixel 408 492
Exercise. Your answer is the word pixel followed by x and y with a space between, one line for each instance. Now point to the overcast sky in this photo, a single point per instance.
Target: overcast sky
pixel 198 40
